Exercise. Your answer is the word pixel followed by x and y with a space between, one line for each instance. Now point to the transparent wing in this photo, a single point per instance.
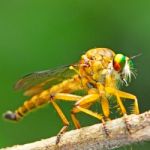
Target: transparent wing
pixel 37 81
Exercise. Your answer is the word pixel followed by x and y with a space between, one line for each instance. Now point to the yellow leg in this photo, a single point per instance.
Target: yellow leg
pixel 74 111
pixel 105 106
pixel 122 94
pixel 85 102
pixel 67 97
pixel 104 100
pixel 130 96
pixel 63 96
pixel 75 120
pixel 94 114
pixel 82 103
pixel 87 99
pixel 90 99
pixel 64 120
pixel 123 110
pixel 60 113
pixel 91 113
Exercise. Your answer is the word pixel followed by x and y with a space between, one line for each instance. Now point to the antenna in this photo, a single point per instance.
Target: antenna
pixel 136 56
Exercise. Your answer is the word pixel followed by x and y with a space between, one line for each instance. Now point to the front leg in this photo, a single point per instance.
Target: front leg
pixel 126 95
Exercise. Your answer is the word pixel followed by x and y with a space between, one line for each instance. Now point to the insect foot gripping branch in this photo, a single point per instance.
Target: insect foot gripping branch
pixel 99 72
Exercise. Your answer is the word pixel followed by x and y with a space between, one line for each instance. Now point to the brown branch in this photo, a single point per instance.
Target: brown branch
pixel 122 131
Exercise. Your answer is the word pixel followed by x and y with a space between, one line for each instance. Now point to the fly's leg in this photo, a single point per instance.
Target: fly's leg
pixel 135 108
pixel 74 119
pixel 94 114
pixel 106 112
pixel 105 107
pixel 75 111
pixel 104 101
pixel 66 97
pixel 82 106
pixel 64 120
pixel 123 110
pixel 122 94
pixel 89 112
pixel 132 97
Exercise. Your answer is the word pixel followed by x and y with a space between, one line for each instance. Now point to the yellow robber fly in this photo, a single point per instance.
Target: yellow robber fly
pixel 99 72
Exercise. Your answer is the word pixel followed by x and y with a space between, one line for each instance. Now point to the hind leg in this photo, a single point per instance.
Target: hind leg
pixel 66 97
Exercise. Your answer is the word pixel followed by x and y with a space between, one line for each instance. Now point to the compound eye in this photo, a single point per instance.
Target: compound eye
pixel 119 62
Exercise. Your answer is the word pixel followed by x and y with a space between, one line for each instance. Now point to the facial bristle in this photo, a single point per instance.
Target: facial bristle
pixel 129 70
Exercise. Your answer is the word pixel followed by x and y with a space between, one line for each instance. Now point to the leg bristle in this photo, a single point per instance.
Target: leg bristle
pixel 10 115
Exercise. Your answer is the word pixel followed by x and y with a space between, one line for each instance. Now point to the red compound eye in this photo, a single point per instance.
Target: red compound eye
pixel 117 66
pixel 119 62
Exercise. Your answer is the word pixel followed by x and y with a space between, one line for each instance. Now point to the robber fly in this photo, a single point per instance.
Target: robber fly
pixel 99 72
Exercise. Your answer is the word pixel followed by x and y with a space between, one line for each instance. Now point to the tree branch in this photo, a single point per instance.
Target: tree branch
pixel 122 131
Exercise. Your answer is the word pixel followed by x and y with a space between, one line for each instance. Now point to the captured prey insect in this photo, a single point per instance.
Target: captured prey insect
pixel 99 72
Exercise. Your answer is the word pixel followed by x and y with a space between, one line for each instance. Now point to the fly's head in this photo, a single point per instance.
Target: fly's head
pixel 124 67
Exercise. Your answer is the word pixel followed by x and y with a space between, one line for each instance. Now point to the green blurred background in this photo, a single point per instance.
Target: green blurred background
pixel 41 34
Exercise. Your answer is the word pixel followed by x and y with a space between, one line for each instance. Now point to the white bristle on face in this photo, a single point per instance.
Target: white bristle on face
pixel 127 71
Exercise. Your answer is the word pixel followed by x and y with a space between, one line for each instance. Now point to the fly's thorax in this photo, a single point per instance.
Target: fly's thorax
pixel 96 64
pixel 98 53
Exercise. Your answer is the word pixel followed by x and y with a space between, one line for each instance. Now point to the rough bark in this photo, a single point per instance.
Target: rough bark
pixel 123 131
